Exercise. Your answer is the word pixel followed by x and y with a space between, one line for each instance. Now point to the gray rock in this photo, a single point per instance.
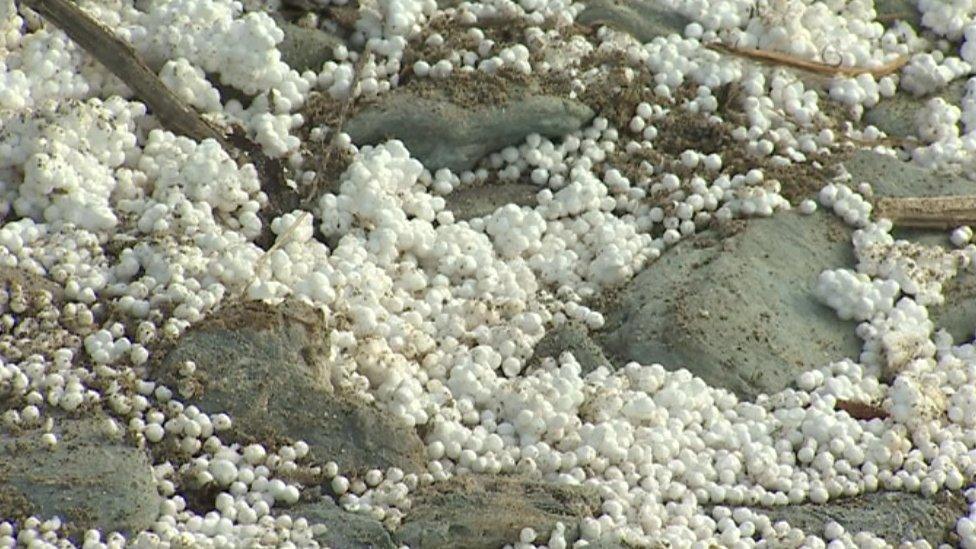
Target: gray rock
pixel 486 511
pixel 305 49
pixel 958 314
pixel 87 479
pixel 896 115
pixel 575 338
pixel 344 530
pixel 444 134
pixel 641 19
pixel 892 177
pixel 891 11
pixel 264 366
pixel 894 516
pixel 479 201
pixel 728 305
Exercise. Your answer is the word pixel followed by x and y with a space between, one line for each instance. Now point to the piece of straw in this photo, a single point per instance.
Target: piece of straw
pixel 787 60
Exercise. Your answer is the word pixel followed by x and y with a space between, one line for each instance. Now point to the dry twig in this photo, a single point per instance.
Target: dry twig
pixel 792 61
pixel 931 212
pixel 282 239
pixel 173 114
pixel 119 58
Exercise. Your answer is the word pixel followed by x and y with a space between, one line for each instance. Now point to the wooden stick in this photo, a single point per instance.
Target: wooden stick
pixel 933 212
pixel 174 114
pixel 119 57
pixel 905 16
pixel 792 61
pixel 282 239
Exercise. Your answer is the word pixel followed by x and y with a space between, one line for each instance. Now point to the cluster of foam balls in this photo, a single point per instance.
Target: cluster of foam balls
pixel 436 318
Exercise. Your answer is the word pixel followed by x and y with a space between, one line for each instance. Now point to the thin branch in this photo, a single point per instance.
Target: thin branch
pixel 173 114
pixel 285 237
pixel 119 58
pixel 282 239
pixel 792 61
pixel 934 212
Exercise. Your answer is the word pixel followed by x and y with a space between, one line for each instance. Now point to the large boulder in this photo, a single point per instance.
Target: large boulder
pixel 735 306
pixel 342 528
pixel 264 366
pixel 444 132
pixel 89 479
pixel 481 200
pixel 487 512
pixel 895 516
pixel 641 19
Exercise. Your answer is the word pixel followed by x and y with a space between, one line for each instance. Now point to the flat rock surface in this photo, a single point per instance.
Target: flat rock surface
pixel 305 49
pixel 894 516
pixel 479 511
pixel 444 134
pixel 344 529
pixel 896 115
pixel 890 12
pixel 261 365
pixel 892 177
pixel 570 337
pixel 728 307
pixel 479 201
pixel 87 479
pixel 641 19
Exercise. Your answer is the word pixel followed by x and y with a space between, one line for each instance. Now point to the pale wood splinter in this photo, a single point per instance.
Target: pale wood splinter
pixel 785 59
pixel 930 212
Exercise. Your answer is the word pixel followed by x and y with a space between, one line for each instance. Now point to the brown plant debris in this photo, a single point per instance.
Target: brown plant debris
pixel 785 59
pixel 862 411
